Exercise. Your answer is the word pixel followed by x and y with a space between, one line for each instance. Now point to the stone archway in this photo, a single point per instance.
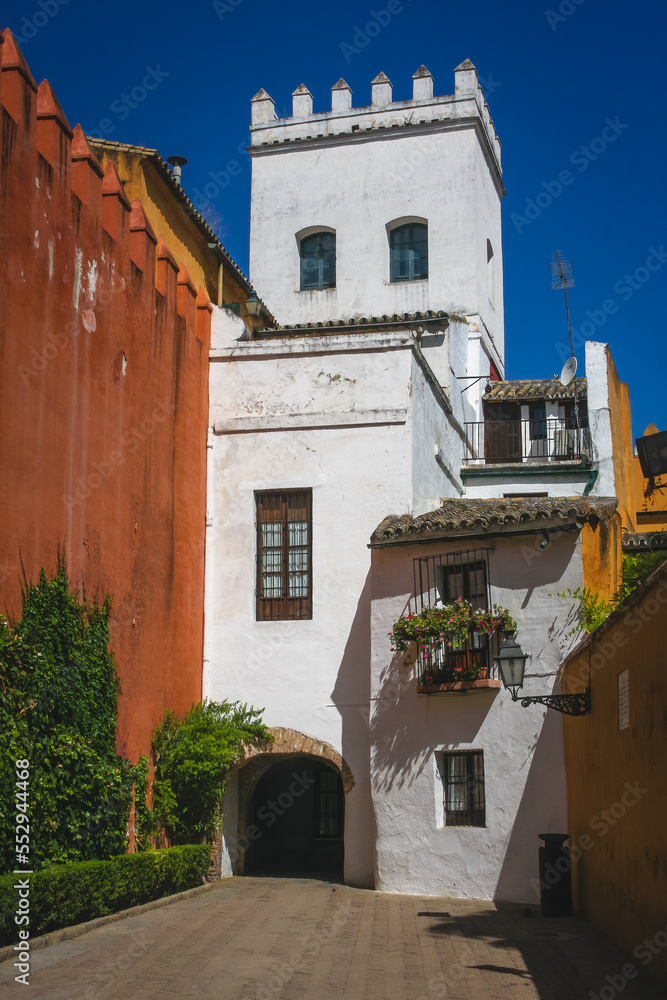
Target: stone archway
pixel 290 741
pixel 258 760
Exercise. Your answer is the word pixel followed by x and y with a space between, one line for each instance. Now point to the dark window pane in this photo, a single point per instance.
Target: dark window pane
pixel 318 261
pixel 538 421
pixel 408 251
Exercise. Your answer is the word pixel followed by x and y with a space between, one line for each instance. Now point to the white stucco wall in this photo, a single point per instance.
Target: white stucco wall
pixel 355 172
pixel 599 415
pixel 570 485
pixel 523 748
pixel 345 416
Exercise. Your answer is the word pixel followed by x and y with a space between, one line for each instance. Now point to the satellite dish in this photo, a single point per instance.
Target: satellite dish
pixel 569 371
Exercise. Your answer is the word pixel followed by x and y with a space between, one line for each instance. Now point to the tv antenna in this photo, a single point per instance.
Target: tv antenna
pixel 562 276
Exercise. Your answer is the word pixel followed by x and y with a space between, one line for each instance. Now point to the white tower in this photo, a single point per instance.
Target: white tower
pixel 382 210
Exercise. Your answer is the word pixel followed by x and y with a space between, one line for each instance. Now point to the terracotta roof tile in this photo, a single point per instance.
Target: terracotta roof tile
pixel 481 517
pixel 547 388
pixel 644 541
pixel 357 322
pixel 199 220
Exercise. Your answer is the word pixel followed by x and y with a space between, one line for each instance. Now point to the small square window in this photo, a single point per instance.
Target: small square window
pixel 462 774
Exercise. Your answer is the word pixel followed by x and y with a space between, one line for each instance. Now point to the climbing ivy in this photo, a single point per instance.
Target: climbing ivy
pixel 192 756
pixel 58 703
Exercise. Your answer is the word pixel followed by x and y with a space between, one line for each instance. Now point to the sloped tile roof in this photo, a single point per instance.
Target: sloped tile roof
pixel 547 388
pixel 176 189
pixel 644 541
pixel 481 517
pixel 357 322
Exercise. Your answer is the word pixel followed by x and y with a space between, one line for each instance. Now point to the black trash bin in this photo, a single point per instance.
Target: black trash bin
pixel 555 876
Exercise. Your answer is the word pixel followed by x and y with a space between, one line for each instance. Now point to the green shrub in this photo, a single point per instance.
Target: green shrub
pixel 192 756
pixel 71 893
pixel 58 702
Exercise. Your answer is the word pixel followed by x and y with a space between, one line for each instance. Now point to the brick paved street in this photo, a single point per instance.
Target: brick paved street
pixel 299 939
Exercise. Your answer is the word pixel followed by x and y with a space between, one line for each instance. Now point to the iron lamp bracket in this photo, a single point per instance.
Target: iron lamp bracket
pixel 567 704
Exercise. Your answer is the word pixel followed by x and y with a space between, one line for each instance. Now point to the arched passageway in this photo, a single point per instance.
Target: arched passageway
pixel 295 820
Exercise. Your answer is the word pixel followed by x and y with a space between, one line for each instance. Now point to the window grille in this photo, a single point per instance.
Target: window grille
pixel 408 251
pixel 464 802
pixel 284 555
pixel 440 580
pixel 318 261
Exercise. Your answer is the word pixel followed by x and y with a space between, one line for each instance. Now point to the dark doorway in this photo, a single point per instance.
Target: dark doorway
pixel 502 432
pixel 296 821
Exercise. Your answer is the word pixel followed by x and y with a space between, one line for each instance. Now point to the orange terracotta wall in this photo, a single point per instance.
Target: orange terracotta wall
pixel 103 404
pixel 617 782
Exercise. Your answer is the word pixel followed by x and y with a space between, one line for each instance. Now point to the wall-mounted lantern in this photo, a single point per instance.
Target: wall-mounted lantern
pixel 511 663
pixel 253 305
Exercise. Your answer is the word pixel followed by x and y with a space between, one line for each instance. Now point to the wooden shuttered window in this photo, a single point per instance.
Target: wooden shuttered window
pixel 284 555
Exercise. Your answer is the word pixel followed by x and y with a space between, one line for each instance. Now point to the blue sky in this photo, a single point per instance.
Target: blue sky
pixel 573 85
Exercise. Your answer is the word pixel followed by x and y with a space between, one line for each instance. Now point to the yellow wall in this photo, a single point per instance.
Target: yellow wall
pixel 601 557
pixel 167 216
pixel 617 780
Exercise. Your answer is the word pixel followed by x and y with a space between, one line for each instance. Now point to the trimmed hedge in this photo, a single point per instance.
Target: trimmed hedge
pixel 78 891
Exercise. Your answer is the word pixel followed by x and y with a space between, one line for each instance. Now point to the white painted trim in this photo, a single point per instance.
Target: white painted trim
pixel 305 343
pixel 308 421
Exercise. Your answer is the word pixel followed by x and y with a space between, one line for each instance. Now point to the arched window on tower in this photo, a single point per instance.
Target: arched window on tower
pixel 317 253
pixel 408 251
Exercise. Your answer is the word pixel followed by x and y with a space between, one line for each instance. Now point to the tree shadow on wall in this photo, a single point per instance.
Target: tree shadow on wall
pixel 406 727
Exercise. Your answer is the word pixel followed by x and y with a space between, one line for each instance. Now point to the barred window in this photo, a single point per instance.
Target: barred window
pixel 463 788
pixel 442 578
pixel 284 555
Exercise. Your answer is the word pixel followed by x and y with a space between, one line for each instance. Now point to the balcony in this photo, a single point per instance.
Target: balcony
pixel 456 665
pixel 537 442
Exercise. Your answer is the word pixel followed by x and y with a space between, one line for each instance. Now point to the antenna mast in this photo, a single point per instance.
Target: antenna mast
pixel 562 276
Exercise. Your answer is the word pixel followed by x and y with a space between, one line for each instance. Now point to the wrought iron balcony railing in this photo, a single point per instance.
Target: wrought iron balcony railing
pixel 552 439
pixel 452 660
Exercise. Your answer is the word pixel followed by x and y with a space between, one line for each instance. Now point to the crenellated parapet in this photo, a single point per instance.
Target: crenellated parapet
pixel 104 402
pixel 383 117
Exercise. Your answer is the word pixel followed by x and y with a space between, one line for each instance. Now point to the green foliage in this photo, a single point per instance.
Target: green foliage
pixel 637 567
pixel 192 756
pixel 58 701
pixel 67 894
pixel 594 610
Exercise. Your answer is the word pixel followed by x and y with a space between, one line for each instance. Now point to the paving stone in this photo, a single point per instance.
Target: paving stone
pixel 300 939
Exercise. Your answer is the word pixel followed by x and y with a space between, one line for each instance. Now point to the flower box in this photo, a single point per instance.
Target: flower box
pixel 459 687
